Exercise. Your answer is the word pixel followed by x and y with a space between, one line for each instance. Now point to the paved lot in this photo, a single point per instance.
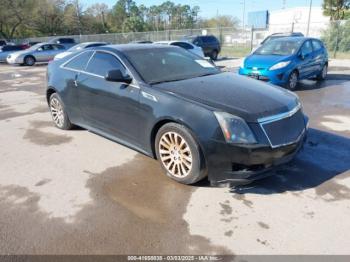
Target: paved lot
pixel 73 192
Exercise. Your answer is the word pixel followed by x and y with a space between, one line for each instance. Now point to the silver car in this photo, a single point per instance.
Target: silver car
pixel 185 45
pixel 42 52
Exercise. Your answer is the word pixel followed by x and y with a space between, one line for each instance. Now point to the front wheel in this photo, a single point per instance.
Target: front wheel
pixel 29 60
pixel 292 81
pixel 323 74
pixel 179 154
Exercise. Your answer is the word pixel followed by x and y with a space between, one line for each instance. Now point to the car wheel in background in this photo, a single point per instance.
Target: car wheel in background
pixel 292 82
pixel 58 113
pixel 323 74
pixel 29 60
pixel 179 154
pixel 214 55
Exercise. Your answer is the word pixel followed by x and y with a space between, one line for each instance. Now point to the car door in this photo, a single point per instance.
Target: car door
pixel 306 60
pixel 112 107
pixel 43 53
pixel 74 67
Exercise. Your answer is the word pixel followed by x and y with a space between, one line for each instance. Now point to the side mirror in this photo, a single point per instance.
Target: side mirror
pixel 40 49
pixel 117 76
pixel 302 56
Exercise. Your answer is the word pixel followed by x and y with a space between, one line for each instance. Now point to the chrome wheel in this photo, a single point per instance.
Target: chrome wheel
pixel 29 61
pixel 293 80
pixel 57 112
pixel 175 154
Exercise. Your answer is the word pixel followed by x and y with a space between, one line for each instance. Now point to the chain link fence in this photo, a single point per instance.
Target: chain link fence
pixel 235 41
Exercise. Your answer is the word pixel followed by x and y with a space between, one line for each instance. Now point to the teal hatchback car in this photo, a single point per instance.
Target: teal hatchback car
pixel 287 60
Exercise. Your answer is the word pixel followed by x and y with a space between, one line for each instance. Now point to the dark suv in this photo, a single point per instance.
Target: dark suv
pixel 209 43
pixel 67 42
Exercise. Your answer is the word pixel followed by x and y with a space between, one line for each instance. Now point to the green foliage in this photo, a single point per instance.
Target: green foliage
pixel 337 36
pixel 26 18
pixel 336 9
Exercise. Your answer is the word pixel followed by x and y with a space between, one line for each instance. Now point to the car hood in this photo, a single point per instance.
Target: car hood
pixel 264 61
pixel 239 95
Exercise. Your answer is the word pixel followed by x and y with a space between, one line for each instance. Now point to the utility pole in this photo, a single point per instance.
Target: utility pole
pixel 243 17
pixel 308 21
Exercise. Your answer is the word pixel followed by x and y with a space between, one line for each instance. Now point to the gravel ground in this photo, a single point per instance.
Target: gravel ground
pixel 73 192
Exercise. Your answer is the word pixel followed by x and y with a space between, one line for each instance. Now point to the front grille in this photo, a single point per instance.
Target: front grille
pixel 285 130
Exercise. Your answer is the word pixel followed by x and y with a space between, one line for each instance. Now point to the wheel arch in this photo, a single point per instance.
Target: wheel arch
pixel 50 90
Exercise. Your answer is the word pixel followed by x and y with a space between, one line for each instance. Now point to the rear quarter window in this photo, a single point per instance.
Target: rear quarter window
pixel 317 45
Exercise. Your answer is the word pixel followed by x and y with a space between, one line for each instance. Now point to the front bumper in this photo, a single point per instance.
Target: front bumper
pixel 276 77
pixel 237 165
pixel 14 60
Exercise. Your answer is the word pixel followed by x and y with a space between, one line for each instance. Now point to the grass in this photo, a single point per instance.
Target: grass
pixel 234 51
pixel 339 55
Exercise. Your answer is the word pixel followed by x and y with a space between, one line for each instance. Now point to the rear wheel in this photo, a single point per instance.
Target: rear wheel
pixel 179 154
pixel 292 81
pixel 29 60
pixel 58 113
pixel 323 74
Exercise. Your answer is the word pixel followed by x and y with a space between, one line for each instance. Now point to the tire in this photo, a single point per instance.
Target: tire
pixel 58 113
pixel 323 74
pixel 292 82
pixel 214 55
pixel 179 154
pixel 29 60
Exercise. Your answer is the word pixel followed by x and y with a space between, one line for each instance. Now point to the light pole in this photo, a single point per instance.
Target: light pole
pixel 308 21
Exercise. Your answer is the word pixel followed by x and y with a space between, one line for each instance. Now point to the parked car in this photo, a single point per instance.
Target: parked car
pixel 26 45
pixel 79 47
pixel 210 44
pixel 141 42
pixel 43 52
pixel 3 42
pixel 285 61
pixel 185 45
pixel 67 42
pixel 166 103
pixel 8 49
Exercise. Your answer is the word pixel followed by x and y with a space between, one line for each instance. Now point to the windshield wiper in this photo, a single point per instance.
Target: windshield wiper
pixel 165 81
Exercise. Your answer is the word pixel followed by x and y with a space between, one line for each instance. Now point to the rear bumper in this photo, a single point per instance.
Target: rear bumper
pixel 236 165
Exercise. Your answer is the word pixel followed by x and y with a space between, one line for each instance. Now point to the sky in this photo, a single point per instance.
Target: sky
pixel 210 8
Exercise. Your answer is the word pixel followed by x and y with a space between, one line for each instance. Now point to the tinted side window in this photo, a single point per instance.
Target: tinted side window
pixel 317 45
pixel 183 45
pixel 197 41
pixel 66 41
pixel 47 47
pixel 102 62
pixel 212 39
pixel 79 62
pixel 58 47
pixel 306 48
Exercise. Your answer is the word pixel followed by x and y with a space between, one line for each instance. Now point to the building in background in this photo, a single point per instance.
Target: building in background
pixel 287 20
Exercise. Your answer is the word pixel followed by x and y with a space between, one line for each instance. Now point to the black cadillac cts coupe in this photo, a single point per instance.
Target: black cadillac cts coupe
pixel 174 106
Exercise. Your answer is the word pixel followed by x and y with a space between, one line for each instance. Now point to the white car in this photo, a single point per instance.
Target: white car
pixel 185 45
pixel 78 48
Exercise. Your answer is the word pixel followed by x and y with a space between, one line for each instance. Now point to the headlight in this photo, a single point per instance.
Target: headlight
pixel 279 65
pixel 242 63
pixel 235 129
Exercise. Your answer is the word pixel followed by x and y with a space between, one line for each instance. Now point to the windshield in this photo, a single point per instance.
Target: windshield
pixel 166 64
pixel 279 47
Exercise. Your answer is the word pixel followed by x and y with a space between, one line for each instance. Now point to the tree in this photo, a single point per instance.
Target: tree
pixel 220 21
pixel 336 9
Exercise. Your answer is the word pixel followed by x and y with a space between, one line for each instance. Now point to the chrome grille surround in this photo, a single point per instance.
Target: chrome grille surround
pixel 270 119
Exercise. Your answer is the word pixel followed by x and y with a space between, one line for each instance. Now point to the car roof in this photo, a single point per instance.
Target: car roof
pixel 295 38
